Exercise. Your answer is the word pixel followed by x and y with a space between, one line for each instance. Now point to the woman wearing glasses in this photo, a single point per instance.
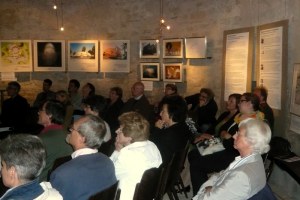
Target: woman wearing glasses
pixel 200 165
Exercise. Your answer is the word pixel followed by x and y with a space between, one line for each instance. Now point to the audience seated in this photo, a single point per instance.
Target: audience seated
pixel 15 109
pixel 46 95
pixel 51 116
pixel 139 103
pixel 201 166
pixel 262 94
pixel 224 121
pixel 205 112
pixel 95 105
pixel 113 109
pixel 245 176
pixel 134 152
pixel 22 159
pixel 75 97
pixel 88 172
pixel 171 133
pixel 63 97
pixel 88 90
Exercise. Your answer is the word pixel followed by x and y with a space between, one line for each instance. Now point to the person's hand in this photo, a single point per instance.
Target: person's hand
pixel 118 146
pixel 160 124
pixel 225 135
pixel 202 137
pixel 208 189
pixel 202 102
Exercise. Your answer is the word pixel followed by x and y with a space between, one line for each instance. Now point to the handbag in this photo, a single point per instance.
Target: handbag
pixel 210 146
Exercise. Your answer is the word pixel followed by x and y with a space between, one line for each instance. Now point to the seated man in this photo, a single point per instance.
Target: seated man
pixel 88 172
pixel 46 95
pixel 22 160
pixel 139 102
pixel 15 109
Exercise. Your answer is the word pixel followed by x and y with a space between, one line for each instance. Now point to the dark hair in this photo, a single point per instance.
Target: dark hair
pixel 237 98
pixel 209 92
pixel 15 85
pixel 172 86
pixel 75 82
pixel 92 87
pixel 177 108
pixel 253 99
pixel 263 92
pixel 96 102
pixel 118 90
pixel 56 110
pixel 48 81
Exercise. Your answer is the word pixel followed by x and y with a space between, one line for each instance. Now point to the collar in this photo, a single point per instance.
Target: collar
pixel 52 127
pixel 84 151
pixel 139 97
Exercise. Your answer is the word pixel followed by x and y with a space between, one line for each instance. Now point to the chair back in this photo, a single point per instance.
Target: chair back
pixel 110 193
pixel 149 185
pixel 264 194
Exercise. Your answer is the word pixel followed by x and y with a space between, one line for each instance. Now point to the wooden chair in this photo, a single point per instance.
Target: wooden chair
pixel 111 193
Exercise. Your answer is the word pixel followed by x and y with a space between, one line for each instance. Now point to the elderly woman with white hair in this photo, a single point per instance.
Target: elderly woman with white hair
pixel 245 176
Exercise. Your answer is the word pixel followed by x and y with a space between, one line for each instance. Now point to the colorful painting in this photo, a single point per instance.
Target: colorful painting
pixel 83 56
pixel 173 72
pixel 16 56
pixel 115 56
pixel 149 49
pixel 150 71
pixel 173 48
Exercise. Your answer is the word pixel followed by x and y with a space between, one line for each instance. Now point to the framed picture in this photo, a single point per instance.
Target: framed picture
pixel 149 49
pixel 15 56
pixel 150 71
pixel 195 47
pixel 115 56
pixel 83 55
pixel 49 55
pixel 295 99
pixel 172 72
pixel 173 48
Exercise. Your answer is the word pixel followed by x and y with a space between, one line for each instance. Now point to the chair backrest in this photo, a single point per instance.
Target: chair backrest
pixel 264 194
pixel 149 185
pixel 110 193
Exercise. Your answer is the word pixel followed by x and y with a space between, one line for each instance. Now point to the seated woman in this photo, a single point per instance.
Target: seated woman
pixel 224 121
pixel 200 165
pixel 171 133
pixel 205 112
pixel 245 176
pixel 170 90
pixel 22 160
pixel 134 153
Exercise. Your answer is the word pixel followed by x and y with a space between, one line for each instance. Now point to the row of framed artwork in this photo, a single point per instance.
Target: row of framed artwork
pixel 171 72
pixel 83 55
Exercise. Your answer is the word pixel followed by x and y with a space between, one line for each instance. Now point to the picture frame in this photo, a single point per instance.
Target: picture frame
pixel 49 55
pixel 149 49
pixel 173 48
pixel 173 72
pixel 15 56
pixel 295 98
pixel 83 55
pixel 195 47
pixel 150 71
pixel 115 56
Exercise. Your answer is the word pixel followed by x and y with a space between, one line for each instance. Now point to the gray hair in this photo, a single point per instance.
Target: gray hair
pixel 93 129
pixel 258 134
pixel 24 152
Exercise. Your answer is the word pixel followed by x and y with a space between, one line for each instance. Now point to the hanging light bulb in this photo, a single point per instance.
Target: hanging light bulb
pixel 168 27
pixel 54 7
pixel 62 28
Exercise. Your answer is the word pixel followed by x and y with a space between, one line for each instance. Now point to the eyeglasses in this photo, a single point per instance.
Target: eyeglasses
pixel 243 100
pixel 72 129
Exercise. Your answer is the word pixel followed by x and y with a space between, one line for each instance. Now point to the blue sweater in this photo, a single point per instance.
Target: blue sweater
pixel 83 176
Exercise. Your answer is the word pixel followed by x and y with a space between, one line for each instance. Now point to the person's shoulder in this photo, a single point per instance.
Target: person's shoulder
pixel 49 192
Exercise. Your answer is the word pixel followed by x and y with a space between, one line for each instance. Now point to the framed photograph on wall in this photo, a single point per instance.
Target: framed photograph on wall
pixel 295 99
pixel 173 72
pixel 173 48
pixel 83 55
pixel 195 47
pixel 150 71
pixel 115 56
pixel 49 55
pixel 149 49
pixel 15 56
